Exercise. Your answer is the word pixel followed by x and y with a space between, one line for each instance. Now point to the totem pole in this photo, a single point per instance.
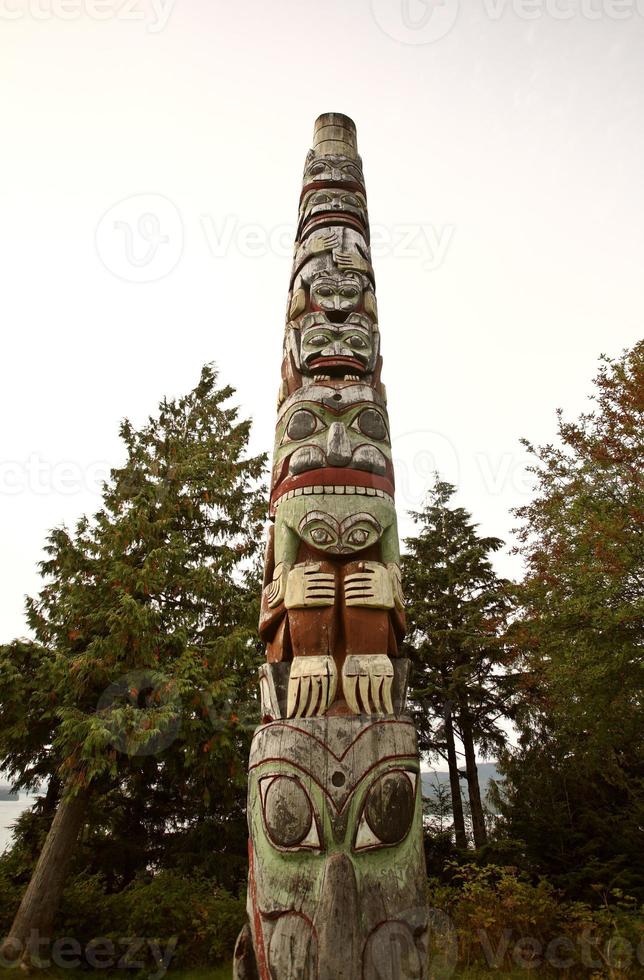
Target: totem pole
pixel 337 876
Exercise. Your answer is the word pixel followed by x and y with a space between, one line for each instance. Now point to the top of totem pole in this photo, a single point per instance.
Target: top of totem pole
pixel 332 613
pixel 335 134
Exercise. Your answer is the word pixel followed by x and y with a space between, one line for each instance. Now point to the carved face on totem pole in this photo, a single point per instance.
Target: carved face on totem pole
pixel 337 879
pixel 335 582
pixel 332 331
pixel 339 810
pixel 336 171
pixel 328 427
pixel 332 206
pixel 331 349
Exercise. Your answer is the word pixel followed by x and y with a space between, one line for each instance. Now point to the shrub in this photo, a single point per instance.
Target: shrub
pixel 188 915
pixel 499 919
pixel 204 921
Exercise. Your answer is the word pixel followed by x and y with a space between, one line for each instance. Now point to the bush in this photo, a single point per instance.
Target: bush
pixel 499 919
pixel 188 915
pixel 204 921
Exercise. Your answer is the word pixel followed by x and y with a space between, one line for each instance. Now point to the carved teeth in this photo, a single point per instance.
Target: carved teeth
pixel 336 489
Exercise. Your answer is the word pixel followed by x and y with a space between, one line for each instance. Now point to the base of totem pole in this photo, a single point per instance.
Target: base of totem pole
pixel 337 883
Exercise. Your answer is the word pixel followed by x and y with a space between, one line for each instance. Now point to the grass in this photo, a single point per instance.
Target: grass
pixel 225 973
pixel 197 973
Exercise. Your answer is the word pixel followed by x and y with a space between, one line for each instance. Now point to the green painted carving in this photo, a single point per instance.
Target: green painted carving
pixel 335 815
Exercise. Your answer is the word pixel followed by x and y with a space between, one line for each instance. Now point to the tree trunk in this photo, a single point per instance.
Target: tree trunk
pixel 454 781
pixel 479 829
pixel 32 927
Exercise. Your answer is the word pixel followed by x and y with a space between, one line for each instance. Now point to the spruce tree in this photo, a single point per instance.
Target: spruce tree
pixel 144 650
pixel 457 609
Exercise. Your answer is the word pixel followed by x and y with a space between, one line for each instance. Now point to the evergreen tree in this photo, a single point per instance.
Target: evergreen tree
pixel 457 609
pixel 574 790
pixel 144 645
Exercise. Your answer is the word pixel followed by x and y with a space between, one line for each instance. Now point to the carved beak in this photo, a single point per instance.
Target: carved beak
pixel 337 922
pixel 338 449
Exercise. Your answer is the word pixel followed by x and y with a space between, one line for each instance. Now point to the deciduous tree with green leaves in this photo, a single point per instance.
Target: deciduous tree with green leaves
pixel 574 789
pixel 144 647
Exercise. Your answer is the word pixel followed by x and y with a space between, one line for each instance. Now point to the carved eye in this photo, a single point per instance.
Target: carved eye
pixel 301 424
pixel 349 291
pixel 322 199
pixel 317 168
pixel 324 290
pixel 288 813
pixel 371 424
pixel 319 340
pixel 321 536
pixel 358 536
pixel 361 533
pixel 353 171
pixel 355 341
pixel 388 812
pixel 351 200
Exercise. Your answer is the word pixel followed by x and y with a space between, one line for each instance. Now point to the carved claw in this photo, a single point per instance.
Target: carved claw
pixel 311 687
pixel 368 682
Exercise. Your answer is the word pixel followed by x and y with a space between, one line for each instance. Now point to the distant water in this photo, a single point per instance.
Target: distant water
pixel 10 810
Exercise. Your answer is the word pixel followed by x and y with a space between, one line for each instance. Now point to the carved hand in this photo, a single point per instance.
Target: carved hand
pixel 396 584
pixel 324 243
pixel 370 586
pixel 350 260
pixel 307 587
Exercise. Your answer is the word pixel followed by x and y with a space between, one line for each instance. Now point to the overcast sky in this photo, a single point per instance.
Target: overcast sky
pixel 151 167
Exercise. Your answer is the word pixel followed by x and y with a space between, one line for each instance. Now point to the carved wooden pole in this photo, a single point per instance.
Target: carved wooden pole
pixel 337 876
